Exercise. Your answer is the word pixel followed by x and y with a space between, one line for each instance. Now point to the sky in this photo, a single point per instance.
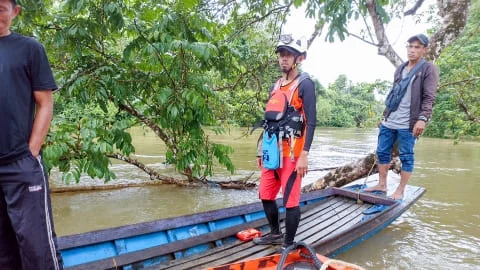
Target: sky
pixel 356 59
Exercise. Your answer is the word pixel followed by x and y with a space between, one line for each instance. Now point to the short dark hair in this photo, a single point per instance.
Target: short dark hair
pixel 14 2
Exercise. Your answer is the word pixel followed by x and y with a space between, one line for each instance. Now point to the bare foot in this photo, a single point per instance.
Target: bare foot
pixel 397 195
pixel 377 187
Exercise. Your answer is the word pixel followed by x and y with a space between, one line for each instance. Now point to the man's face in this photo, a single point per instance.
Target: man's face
pixel 416 50
pixel 7 14
pixel 286 60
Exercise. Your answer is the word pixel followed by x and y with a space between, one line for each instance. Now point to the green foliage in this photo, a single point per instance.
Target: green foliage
pixel 175 67
pixel 457 107
pixel 346 105
pixel 337 14
pixel 245 89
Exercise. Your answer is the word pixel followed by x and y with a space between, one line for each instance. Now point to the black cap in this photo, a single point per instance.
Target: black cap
pixel 421 38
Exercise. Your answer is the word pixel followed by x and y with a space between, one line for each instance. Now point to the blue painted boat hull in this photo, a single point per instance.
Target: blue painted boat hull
pixel 332 221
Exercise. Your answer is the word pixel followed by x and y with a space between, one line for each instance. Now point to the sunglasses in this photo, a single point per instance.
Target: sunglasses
pixel 286 39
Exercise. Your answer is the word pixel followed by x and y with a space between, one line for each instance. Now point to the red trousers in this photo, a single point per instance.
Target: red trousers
pixel 272 180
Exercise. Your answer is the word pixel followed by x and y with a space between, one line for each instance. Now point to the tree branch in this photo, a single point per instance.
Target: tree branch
pixel 362 39
pixel 317 32
pixel 414 9
pixel 384 46
pixel 241 77
pixel 255 20
pixel 158 131
pixel 473 79
pixel 154 175
pixel 372 42
pixel 464 107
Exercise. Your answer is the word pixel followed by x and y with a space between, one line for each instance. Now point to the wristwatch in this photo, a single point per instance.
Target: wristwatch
pixel 423 118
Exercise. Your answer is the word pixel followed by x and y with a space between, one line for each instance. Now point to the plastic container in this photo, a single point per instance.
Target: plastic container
pixel 248 234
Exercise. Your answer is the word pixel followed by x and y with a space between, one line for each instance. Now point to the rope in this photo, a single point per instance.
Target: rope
pixel 366 178
pixel 115 263
pixel 341 263
pixel 312 255
pixel 323 169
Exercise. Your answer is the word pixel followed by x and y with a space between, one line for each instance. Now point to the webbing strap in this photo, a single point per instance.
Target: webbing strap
pixel 293 86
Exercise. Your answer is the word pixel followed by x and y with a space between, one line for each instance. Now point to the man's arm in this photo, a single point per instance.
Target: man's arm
pixel 429 91
pixel 430 85
pixel 43 117
pixel 310 110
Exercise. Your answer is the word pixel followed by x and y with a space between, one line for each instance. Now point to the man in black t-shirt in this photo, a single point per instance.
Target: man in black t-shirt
pixel 28 239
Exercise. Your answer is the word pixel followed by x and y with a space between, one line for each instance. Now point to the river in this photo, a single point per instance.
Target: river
pixel 441 231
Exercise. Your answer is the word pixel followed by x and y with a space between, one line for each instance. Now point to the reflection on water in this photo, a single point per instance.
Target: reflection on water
pixel 441 231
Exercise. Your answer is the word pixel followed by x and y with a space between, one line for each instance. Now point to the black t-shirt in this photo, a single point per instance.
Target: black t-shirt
pixel 24 68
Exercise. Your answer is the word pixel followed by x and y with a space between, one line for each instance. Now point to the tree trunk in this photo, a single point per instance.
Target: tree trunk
pixel 346 174
pixel 454 18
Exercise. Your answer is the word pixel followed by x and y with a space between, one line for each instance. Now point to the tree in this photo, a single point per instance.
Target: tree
pixel 122 64
pixel 169 67
pixel 457 111
pixel 344 104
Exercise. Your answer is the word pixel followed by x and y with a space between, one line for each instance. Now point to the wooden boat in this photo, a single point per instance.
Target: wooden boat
pixel 333 220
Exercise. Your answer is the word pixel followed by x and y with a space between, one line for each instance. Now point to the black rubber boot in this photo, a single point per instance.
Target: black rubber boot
pixel 291 224
pixel 271 211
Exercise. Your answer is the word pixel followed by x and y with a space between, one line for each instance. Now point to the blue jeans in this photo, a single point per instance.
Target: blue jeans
pixel 406 142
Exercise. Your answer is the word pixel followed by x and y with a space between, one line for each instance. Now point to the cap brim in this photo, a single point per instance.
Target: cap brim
pixel 286 48
pixel 416 38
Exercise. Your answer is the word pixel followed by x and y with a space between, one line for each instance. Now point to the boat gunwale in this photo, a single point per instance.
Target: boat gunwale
pixel 360 231
pixel 130 230
pixel 106 235
pixel 175 246
pixel 332 245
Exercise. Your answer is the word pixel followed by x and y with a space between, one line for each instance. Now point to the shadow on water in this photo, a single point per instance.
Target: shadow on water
pixel 441 231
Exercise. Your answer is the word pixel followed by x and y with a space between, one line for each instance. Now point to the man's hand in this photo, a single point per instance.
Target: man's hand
pixel 259 162
pixel 35 150
pixel 41 123
pixel 302 164
pixel 418 128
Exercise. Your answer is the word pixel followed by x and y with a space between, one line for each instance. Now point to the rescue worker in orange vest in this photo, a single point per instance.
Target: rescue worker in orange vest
pixel 294 157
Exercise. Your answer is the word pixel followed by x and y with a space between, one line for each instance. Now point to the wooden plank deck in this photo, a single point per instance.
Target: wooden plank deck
pixel 328 217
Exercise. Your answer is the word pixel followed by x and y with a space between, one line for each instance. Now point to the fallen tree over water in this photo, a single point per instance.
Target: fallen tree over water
pixel 350 172
pixel 336 177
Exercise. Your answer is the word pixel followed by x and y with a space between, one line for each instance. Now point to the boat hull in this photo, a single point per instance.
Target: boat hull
pixel 333 220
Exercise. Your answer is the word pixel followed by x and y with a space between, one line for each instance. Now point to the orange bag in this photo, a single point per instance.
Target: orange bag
pixel 248 234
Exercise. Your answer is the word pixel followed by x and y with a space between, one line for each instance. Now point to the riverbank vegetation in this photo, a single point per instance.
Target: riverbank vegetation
pixel 175 67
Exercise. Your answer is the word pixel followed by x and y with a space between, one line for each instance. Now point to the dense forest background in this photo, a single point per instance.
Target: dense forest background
pixel 186 68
